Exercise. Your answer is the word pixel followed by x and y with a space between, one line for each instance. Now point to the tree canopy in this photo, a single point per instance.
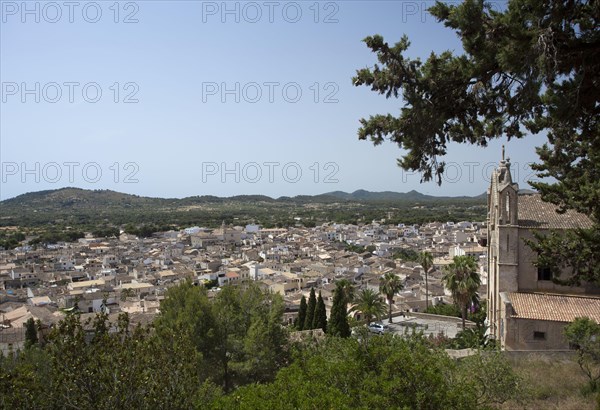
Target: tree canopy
pixel 531 68
pixel 385 373
pixel 584 334
pixel 238 332
pixel 95 364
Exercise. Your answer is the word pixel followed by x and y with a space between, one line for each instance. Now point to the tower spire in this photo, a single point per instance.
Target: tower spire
pixel 502 152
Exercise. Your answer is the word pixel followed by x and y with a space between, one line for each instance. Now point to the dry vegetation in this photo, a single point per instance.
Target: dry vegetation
pixel 551 382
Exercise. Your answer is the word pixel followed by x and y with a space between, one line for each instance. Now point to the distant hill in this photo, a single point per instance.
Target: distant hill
pixel 82 198
pixel 75 207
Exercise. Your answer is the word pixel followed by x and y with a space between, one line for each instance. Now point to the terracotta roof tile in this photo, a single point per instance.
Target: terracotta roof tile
pixel 557 308
pixel 535 213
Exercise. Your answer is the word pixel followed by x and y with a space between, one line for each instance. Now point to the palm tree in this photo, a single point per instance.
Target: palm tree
pixel 370 305
pixel 390 284
pixel 127 293
pixel 426 261
pixel 462 279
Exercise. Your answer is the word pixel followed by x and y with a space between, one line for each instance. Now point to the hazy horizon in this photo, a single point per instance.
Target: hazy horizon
pixel 229 196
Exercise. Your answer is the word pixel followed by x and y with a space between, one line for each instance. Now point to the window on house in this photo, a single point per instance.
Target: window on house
pixel 539 335
pixel 544 273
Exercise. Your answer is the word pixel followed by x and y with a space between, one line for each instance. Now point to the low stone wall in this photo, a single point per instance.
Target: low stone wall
pixel 517 355
pixel 304 334
pixel 550 355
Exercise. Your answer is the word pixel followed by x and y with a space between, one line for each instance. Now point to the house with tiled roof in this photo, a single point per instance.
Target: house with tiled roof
pixel 527 310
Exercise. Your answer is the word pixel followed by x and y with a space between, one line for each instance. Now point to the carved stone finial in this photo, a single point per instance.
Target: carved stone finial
pixel 502 152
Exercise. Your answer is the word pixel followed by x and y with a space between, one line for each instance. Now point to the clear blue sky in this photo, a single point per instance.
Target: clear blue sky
pixel 181 60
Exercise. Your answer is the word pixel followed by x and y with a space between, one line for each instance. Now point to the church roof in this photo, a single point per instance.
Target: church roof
pixel 535 213
pixel 552 307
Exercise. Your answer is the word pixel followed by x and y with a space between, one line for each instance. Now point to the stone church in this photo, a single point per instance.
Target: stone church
pixel 526 309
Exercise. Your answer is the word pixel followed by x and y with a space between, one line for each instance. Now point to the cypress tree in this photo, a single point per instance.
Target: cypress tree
pixel 301 314
pixel 320 320
pixel 310 312
pixel 30 333
pixel 338 320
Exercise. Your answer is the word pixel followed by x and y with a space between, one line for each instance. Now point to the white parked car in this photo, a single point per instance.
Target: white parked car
pixel 378 328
